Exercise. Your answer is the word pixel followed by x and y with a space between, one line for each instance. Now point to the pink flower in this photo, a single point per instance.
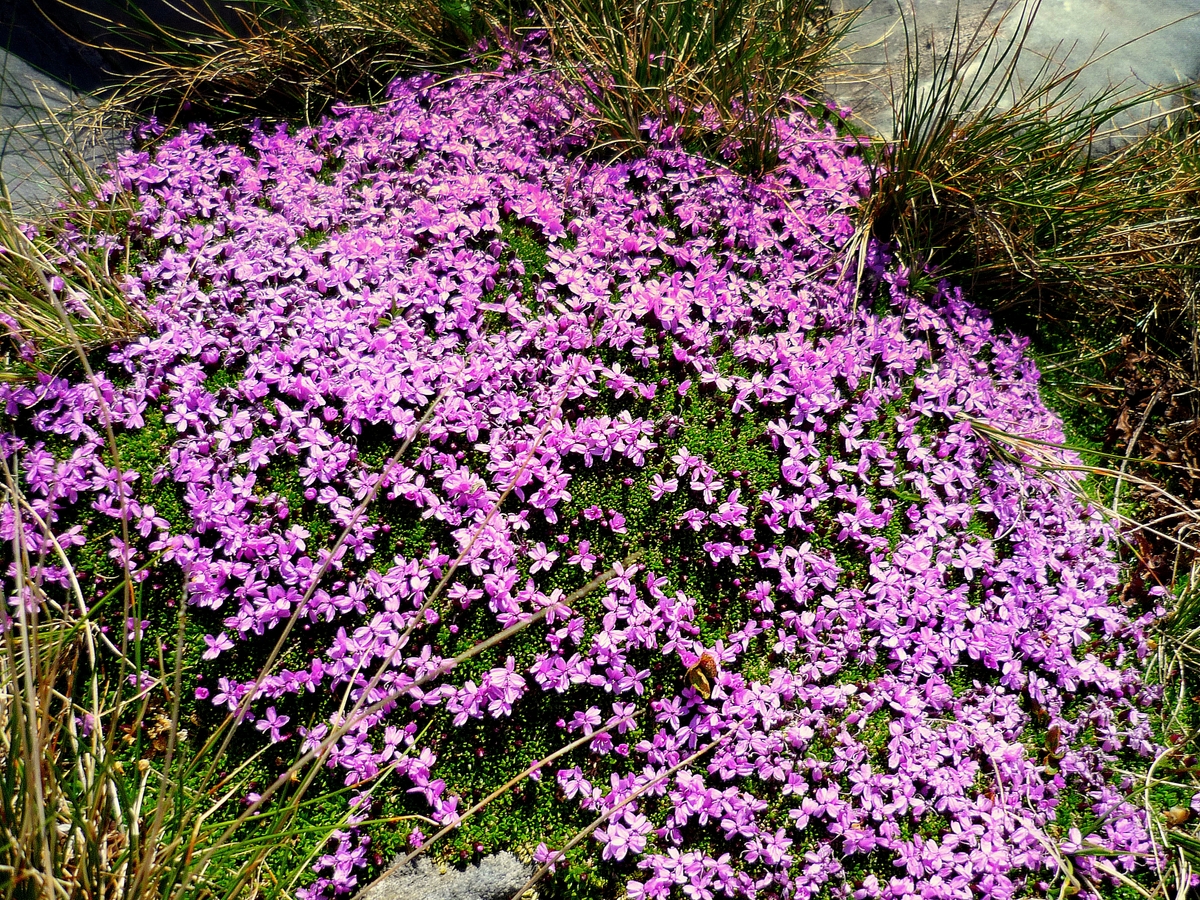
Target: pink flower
pixel 542 558
pixel 273 722
pixel 583 557
pixel 659 488
pixel 216 645
pixel 624 837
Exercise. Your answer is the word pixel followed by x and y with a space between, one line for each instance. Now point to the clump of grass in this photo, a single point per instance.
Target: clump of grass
pixel 1013 185
pixel 104 793
pixel 1015 189
pixel 49 272
pixel 285 58
pixel 718 72
pixel 1005 181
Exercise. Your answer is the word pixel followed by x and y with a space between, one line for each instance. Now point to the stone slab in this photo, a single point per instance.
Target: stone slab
pixel 41 141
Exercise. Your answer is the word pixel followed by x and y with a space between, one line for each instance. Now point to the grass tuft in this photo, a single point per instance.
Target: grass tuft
pixel 1008 182
pixel 225 63
pixel 715 73
pixel 1019 187
pixel 50 270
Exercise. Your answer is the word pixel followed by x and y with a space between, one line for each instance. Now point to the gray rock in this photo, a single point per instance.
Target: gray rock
pixel 55 54
pixel 1134 45
pixel 495 877
pixel 44 144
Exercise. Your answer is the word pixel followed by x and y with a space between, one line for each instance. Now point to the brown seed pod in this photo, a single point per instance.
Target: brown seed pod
pixel 1177 815
pixel 1053 749
pixel 1039 713
pixel 703 674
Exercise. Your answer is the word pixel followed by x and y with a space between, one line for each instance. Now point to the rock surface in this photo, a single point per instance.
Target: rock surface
pixel 495 877
pixel 40 140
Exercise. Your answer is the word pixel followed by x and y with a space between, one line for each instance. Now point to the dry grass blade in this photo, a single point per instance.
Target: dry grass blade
pixel 282 58
pixel 1062 465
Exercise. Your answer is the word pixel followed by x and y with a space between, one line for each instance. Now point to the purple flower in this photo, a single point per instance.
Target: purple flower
pixel 542 558
pixel 216 645
pixel 583 557
pixel 659 488
pixel 623 837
